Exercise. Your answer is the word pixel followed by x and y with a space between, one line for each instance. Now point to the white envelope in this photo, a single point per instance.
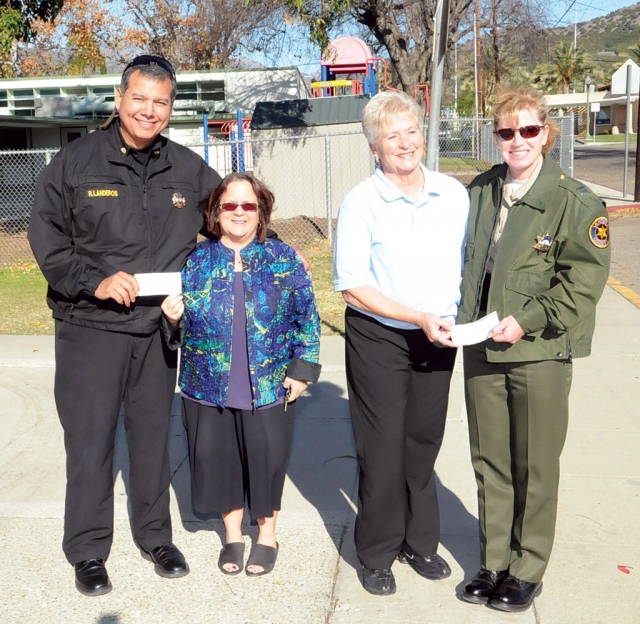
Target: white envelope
pixel 158 284
pixel 473 333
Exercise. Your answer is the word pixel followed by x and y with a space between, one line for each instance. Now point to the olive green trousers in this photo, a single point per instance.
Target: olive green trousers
pixel 518 415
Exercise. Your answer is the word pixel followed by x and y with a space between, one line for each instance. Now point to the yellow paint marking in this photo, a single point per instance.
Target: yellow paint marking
pixel 627 293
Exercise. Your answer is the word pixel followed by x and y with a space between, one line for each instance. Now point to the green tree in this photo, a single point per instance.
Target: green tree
pixel 11 28
pixel 634 53
pixel 569 65
pixel 32 10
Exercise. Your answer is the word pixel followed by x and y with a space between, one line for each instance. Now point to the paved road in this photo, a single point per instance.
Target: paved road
pixel 604 164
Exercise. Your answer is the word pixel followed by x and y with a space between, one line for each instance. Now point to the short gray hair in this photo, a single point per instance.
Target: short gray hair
pixel 384 108
pixel 153 71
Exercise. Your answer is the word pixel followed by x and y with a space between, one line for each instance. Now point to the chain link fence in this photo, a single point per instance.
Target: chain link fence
pixel 309 173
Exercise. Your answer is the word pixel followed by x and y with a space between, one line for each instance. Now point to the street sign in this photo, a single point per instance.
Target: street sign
pixel 595 107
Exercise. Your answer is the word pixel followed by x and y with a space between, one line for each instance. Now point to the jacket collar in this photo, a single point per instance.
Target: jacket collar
pixel 119 151
pixel 540 195
pixel 253 249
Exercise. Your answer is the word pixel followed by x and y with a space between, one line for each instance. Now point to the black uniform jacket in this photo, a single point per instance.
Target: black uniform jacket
pixel 96 212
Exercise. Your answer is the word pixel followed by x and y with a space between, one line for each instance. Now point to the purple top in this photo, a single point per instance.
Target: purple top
pixel 240 395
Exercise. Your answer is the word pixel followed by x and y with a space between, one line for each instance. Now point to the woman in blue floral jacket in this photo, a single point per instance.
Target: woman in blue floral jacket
pixel 251 345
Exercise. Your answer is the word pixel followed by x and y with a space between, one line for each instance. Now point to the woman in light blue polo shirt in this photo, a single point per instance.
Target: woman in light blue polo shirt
pixel 398 261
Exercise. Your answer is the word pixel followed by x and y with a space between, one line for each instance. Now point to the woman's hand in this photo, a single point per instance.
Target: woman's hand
pixel 295 387
pixel 507 330
pixel 438 330
pixel 173 308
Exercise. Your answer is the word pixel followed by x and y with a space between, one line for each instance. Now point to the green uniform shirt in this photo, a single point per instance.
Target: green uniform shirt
pixel 550 269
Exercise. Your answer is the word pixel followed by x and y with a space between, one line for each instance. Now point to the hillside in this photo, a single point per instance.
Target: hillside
pixel 606 38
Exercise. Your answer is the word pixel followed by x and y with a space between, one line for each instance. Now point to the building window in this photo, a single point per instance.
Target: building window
pixel 187 91
pixel 23 98
pixel 76 91
pixel 3 99
pixel 212 91
pixel 54 92
pixel 603 116
pixel 107 92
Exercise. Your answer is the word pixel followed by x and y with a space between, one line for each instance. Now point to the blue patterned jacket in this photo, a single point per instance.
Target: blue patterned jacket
pixel 283 328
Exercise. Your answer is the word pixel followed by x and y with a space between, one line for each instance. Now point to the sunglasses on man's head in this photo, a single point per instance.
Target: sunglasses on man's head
pixel 526 132
pixel 150 59
pixel 246 206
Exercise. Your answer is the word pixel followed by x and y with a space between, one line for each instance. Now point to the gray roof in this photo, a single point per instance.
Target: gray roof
pixel 312 112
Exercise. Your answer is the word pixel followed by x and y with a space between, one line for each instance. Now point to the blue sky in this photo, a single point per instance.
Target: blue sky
pixel 585 10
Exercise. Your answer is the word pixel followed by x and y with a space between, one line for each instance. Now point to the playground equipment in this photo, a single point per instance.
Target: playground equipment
pixel 347 56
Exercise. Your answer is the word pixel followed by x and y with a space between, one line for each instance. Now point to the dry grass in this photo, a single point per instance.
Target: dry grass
pixel 330 304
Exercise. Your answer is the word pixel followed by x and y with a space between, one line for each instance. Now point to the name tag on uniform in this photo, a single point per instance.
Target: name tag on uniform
pixel 152 284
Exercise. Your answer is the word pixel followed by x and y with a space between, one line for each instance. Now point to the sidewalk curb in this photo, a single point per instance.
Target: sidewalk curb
pixel 627 293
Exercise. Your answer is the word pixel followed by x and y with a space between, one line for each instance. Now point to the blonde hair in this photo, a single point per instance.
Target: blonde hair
pixel 510 102
pixel 383 108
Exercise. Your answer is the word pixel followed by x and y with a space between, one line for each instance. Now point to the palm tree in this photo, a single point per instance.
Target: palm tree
pixel 634 53
pixel 569 64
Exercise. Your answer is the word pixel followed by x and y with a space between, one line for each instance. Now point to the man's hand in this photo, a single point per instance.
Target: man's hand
pixel 173 308
pixel 121 287
pixel 507 330
pixel 438 330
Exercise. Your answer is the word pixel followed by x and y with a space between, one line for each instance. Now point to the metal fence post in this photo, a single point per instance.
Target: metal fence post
pixel 327 160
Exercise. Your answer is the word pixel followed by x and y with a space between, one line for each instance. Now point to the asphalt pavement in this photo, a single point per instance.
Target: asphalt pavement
pixel 593 576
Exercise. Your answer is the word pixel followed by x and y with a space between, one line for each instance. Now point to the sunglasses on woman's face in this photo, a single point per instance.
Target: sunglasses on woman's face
pixel 526 132
pixel 247 207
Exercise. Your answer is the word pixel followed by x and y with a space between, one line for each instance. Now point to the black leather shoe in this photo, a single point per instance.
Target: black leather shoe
pixel 379 582
pixel 92 578
pixel 515 595
pixel 169 561
pixel 482 586
pixel 433 567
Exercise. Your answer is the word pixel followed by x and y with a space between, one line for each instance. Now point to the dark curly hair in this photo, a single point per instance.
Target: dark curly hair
pixel 211 207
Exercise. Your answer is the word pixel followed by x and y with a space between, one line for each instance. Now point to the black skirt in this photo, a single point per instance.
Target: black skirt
pixel 238 457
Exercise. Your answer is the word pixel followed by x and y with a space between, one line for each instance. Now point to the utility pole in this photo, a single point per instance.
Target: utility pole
pixel 636 190
pixel 628 131
pixel 441 23
pixel 494 36
pixel 480 81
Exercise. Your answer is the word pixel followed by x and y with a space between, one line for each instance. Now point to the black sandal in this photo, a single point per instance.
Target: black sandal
pixel 231 553
pixel 263 556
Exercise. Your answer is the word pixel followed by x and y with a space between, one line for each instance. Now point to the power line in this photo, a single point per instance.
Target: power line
pixel 569 9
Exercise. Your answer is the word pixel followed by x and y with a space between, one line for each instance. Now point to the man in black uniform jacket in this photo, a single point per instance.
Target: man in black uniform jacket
pixel 119 201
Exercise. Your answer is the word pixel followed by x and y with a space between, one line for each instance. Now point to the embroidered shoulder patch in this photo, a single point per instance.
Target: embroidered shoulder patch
pixel 599 232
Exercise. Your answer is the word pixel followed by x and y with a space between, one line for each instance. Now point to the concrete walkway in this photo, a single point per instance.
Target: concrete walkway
pixel 315 578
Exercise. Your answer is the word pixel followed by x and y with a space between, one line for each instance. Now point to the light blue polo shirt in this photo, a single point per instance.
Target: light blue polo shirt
pixel 410 251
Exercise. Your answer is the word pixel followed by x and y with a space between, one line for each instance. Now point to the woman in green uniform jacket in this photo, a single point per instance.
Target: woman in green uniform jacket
pixel 538 254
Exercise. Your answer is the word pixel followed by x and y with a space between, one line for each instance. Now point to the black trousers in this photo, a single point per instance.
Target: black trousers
pixel 238 456
pixel 398 395
pixel 95 372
